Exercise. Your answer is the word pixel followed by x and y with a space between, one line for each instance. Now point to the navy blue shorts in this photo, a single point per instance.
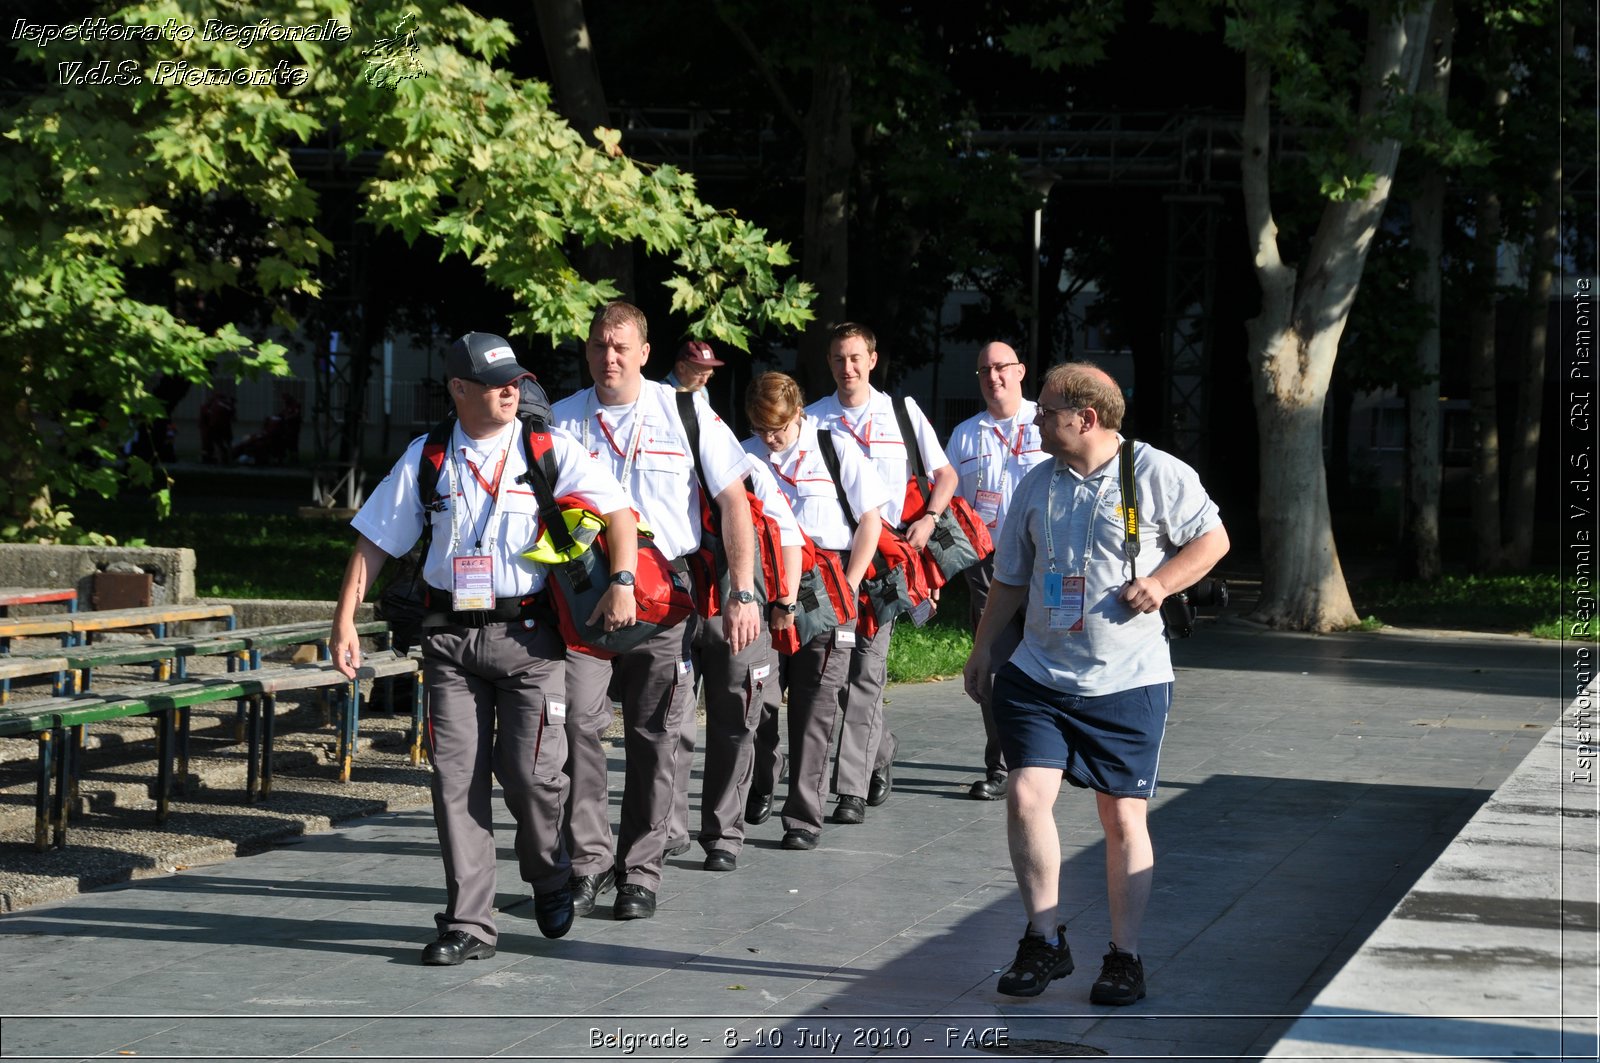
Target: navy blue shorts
pixel 1110 743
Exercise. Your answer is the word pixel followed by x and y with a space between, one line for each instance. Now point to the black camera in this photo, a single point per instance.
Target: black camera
pixel 1179 610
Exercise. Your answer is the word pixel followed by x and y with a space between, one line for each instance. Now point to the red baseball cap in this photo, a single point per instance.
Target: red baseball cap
pixel 699 352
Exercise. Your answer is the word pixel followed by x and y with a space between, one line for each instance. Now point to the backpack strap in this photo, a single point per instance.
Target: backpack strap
pixel 434 451
pixel 541 476
pixel 1130 509
pixel 830 458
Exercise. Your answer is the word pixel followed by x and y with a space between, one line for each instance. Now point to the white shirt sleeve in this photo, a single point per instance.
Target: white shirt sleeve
pixel 775 503
pixel 721 457
pixel 391 517
pixel 579 474
pixel 933 455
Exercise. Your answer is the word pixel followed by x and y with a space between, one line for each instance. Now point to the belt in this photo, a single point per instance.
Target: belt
pixel 505 610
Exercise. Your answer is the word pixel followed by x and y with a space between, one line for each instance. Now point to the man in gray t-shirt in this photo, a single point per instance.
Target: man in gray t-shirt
pixel 1085 696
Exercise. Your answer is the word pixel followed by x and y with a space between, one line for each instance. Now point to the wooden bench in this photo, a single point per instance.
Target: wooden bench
pixel 58 723
pixel 10 596
pixel 79 628
pixel 28 667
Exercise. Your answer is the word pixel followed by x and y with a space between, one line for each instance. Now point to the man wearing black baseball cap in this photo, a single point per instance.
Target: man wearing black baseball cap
pixel 483 358
pixel 492 655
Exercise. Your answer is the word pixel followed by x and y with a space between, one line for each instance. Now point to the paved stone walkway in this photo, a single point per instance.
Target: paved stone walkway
pixel 1308 783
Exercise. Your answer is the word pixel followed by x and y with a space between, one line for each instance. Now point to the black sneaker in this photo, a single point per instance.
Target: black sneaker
pixel 1121 980
pixel 1039 962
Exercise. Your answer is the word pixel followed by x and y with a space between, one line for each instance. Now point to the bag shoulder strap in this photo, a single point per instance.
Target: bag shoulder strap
pixel 691 431
pixel 830 458
pixel 913 445
pixel 538 448
pixel 1130 509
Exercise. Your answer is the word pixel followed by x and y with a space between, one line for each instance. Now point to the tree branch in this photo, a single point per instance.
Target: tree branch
pixel 763 67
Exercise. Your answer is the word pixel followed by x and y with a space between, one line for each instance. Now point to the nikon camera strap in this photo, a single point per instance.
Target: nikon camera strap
pixel 1130 509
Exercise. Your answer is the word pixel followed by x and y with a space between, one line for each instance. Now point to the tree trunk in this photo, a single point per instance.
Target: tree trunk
pixel 830 158
pixel 1523 484
pixel 581 99
pixel 1424 439
pixel 1481 385
pixel 1295 338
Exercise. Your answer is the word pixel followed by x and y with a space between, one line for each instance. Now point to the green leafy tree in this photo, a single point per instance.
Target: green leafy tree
pixel 103 184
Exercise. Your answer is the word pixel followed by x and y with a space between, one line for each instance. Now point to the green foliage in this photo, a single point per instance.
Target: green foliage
pixel 126 209
pixel 1518 603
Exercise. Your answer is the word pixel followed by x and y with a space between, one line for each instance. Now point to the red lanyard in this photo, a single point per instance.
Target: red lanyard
pixel 866 443
pixel 1015 448
pixel 792 481
pixel 609 437
pixel 494 488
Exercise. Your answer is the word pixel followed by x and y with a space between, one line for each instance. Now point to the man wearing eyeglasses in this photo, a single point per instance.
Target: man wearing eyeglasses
pixel 991 453
pixel 1086 693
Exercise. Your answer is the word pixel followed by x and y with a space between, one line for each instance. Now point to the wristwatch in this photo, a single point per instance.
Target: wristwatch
pixel 745 597
pixel 622 579
pixel 790 608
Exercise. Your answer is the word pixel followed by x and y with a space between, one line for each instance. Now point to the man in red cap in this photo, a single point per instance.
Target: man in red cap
pixel 692 371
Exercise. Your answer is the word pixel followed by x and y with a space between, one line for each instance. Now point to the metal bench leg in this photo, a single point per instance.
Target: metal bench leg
pixel 269 730
pixel 182 783
pixel 165 742
pixel 63 782
pixel 253 738
pixel 417 705
pixel 48 740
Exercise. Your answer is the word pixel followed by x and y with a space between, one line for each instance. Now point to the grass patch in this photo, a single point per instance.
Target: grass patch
pixel 939 650
pixel 1525 603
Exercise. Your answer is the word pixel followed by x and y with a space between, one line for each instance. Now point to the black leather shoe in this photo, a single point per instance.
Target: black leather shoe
pixel 585 888
pixel 720 860
pixel 991 789
pixel 800 839
pixel 849 810
pixel 882 785
pixel 456 946
pixel 677 846
pixel 554 911
pixel 633 902
pixel 757 810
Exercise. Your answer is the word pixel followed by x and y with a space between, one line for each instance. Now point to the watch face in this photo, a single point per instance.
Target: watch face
pixel 744 597
pixel 624 579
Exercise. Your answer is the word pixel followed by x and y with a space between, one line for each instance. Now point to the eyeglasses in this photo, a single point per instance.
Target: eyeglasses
pixel 1043 409
pixel 772 430
pixel 999 367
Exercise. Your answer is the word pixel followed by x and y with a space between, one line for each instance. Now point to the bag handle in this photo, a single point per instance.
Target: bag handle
pixel 1130 509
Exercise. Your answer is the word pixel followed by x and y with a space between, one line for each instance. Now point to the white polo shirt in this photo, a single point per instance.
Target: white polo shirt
pixel 1072 525
pixel 803 477
pixel 642 444
pixel 472 519
pixel 875 431
pixel 992 455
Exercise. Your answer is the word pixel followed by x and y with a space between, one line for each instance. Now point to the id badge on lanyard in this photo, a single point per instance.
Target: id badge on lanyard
pixel 472 583
pixel 988 506
pixel 1063 596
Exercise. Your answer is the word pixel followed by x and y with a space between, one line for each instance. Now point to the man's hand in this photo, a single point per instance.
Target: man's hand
pixel 616 609
pixel 921 530
pixel 781 619
pixel 741 624
pixel 1145 594
pixel 976 677
pixel 345 646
